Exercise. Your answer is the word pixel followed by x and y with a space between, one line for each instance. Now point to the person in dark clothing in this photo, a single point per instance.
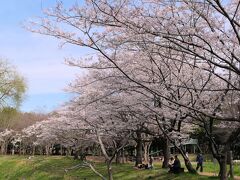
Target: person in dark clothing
pixel 199 162
pixel 175 168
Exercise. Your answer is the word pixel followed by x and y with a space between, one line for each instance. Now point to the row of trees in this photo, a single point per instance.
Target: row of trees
pixel 13 137
pixel 12 90
pixel 159 69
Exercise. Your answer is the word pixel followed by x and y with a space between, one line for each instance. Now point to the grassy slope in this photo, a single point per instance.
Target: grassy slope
pixel 39 167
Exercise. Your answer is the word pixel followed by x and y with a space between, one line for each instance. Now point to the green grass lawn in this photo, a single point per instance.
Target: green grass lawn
pixel 41 168
pixel 211 167
pixel 214 168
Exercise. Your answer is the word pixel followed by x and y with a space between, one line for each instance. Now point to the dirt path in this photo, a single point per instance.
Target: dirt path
pixel 214 174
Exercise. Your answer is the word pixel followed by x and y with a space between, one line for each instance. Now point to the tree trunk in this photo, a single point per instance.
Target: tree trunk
pixel 118 154
pixel 33 150
pixel 41 150
pixel 145 152
pixel 230 164
pixel 109 168
pixel 138 149
pixel 47 150
pixel 187 162
pixel 146 149
pixel 123 156
pixel 51 149
pixel 223 167
pixel 20 147
pixel 166 153
pixel 23 151
pixel 189 166
pixel 6 148
pixel 76 154
pixel 67 151
pixel 61 150
pixel 3 148
pixel 107 158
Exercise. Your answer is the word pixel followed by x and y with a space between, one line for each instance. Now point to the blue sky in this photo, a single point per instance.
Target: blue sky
pixel 38 58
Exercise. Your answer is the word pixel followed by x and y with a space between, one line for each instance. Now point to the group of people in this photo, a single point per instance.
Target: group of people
pixel 175 164
pixel 146 166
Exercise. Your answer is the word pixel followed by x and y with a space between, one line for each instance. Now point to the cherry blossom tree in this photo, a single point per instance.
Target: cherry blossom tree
pixel 184 54
pixel 6 137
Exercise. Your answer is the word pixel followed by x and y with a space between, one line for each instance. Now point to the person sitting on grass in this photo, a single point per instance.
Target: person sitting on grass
pixel 171 161
pixel 142 166
pixel 146 166
pixel 175 168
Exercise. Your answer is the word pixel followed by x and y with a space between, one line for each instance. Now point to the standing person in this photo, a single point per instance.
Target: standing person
pixel 199 162
pixel 150 162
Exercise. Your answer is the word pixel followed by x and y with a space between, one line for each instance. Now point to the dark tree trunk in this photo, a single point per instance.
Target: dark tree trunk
pixel 223 167
pixel 187 162
pixel 118 156
pixel 230 164
pixel 3 148
pixel 189 166
pixel 47 150
pixel 68 151
pixel 109 168
pixel 61 150
pixel 20 147
pixel 139 148
pixel 123 156
pixel 166 153
pixel 33 150
pixel 24 151
pixel 76 155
